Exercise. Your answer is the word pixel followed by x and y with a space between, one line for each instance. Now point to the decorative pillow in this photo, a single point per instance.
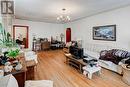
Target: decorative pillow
pixel 109 55
pixel 103 54
pixel 106 55
pixel 121 53
pixel 68 44
pixel 114 55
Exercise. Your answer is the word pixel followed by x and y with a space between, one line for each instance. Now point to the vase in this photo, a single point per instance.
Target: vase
pixel 8 68
pixel 18 66
pixel 1 73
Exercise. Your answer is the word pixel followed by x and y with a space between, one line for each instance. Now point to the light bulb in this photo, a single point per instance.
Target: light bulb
pixel 61 16
pixel 58 18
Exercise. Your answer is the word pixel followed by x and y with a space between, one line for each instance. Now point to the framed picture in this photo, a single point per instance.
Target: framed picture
pixel 7 7
pixel 107 33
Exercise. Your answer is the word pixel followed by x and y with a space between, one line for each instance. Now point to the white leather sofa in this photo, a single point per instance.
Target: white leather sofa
pixel 30 55
pixel 94 50
pixel 8 81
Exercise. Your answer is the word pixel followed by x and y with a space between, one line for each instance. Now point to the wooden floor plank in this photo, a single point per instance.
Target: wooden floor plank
pixel 52 67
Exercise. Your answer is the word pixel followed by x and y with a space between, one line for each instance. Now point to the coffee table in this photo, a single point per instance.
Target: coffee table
pixel 91 70
pixel 78 63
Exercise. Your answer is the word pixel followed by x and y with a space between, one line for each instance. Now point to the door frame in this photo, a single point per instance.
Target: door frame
pixel 27 27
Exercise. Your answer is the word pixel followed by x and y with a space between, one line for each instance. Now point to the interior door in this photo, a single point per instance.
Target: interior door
pixel 68 35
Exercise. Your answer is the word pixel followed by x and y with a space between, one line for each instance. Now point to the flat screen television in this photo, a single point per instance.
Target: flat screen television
pixel 76 52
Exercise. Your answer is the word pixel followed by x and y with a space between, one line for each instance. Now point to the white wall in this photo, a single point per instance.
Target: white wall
pixel 82 29
pixel 41 29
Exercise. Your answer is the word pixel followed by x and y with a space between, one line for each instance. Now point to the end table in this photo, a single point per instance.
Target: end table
pixel 91 70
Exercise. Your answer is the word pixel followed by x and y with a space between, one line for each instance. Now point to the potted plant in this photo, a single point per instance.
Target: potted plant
pixel 5 38
pixel 12 54
pixel 3 58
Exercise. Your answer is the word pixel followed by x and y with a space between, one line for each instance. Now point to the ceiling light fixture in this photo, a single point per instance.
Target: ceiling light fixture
pixel 63 18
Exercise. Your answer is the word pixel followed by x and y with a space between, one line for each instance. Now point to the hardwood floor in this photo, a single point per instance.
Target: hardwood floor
pixel 52 67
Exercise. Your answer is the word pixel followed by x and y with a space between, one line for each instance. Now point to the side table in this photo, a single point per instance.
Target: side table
pixel 30 69
pixel 78 63
pixel 20 75
pixel 91 70
pixel 126 74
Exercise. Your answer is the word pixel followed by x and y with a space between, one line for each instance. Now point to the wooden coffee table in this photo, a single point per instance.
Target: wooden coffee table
pixel 78 63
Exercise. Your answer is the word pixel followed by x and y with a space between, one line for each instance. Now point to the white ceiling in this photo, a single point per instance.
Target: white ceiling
pixel 48 10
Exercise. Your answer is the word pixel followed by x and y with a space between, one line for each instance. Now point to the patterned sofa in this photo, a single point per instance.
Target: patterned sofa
pixel 94 51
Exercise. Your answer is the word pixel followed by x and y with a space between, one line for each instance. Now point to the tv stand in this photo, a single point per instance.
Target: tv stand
pixel 75 57
pixel 76 51
pixel 77 63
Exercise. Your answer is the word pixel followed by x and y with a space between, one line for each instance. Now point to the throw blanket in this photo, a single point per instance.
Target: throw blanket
pixel 114 55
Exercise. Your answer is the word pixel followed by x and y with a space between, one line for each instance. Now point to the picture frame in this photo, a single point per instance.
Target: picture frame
pixel 7 7
pixel 107 33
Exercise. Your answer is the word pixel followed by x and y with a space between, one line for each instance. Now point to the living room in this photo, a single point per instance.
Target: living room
pixel 65 43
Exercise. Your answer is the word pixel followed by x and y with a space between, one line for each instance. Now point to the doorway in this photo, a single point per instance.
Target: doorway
pixel 20 35
pixel 68 35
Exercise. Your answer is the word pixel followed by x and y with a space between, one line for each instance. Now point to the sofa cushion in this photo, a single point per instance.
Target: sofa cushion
pixel 107 63
pixel 92 54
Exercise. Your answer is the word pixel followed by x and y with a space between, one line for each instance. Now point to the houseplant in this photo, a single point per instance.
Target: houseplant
pixel 3 58
pixel 6 44
pixel 5 38
pixel 12 54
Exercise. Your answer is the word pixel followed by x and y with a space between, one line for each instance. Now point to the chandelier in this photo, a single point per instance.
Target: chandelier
pixel 63 18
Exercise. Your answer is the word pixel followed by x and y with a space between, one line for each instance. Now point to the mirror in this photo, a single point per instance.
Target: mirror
pixel 20 35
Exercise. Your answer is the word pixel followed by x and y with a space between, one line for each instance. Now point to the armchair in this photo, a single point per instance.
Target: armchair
pixel 10 81
pixel 30 55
